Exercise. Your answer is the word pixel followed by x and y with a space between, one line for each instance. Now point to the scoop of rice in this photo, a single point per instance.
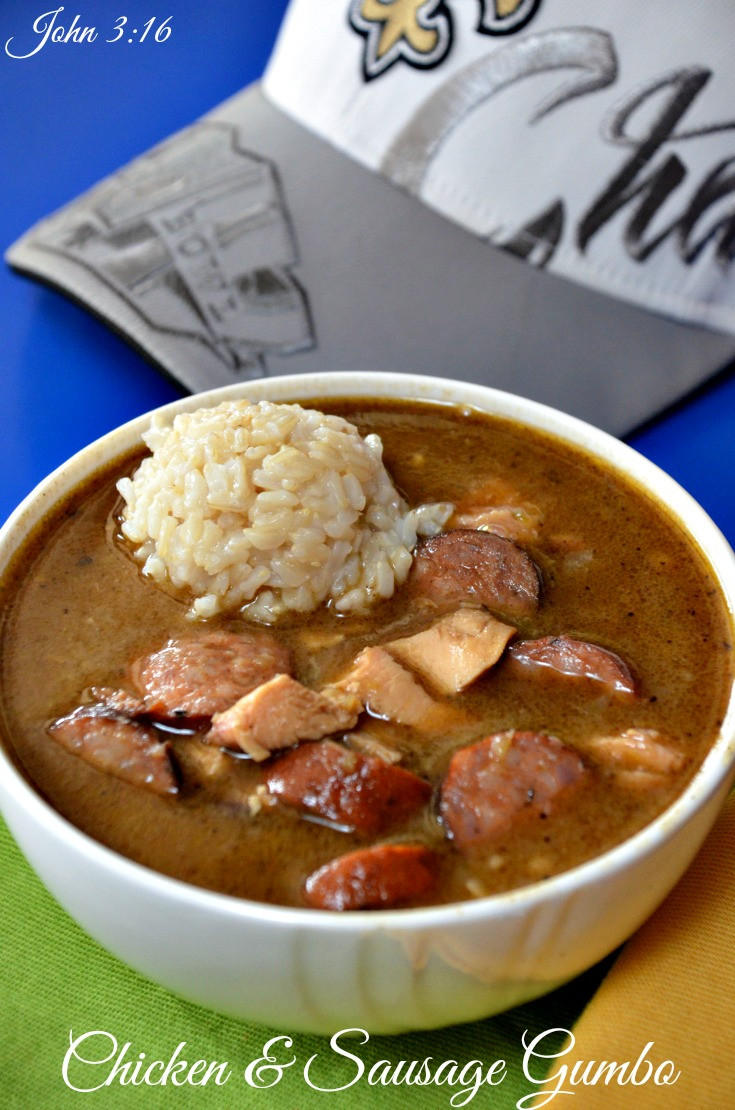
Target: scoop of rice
pixel 268 508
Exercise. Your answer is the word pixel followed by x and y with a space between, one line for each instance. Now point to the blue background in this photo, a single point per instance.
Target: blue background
pixel 73 113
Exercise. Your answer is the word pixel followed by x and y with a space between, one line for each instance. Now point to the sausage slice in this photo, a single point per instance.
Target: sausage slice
pixel 200 676
pixel 469 565
pixel 118 746
pixel 373 878
pixel 120 702
pixel 347 787
pixel 577 659
pixel 505 778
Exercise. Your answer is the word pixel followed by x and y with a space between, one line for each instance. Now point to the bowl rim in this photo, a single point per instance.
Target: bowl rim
pixel 717 768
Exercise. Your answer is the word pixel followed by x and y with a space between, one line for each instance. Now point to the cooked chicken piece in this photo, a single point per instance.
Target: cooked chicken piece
pixel 373 878
pixel 364 741
pixel 198 676
pixel 202 765
pixel 455 650
pixel 281 712
pixel 354 791
pixel 519 523
pixel 118 746
pixel 468 565
pixel 575 659
pixel 224 777
pixel 388 690
pixel 639 757
pixel 506 778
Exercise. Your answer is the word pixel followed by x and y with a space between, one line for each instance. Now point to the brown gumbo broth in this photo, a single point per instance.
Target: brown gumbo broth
pixel 615 571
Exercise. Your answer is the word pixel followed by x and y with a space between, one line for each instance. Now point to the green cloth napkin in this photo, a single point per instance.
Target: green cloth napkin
pixel 54 979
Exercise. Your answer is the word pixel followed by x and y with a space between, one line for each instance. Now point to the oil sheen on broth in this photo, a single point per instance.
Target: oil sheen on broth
pixel 615 572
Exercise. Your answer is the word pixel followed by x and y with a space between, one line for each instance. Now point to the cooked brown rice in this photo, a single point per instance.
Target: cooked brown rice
pixel 270 507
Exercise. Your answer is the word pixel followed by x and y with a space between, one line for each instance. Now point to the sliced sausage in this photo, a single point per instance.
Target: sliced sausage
pixel 118 701
pixel 118 746
pixel 577 659
pixel 506 778
pixel 200 676
pixel 280 713
pixel 468 565
pixel 353 790
pixel 373 878
pixel 455 650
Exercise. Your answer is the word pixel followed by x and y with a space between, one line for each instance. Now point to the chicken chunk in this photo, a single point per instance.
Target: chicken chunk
pixel 221 776
pixel 519 523
pixel 117 746
pixel 381 877
pixel 364 741
pixel 281 712
pixel 196 677
pixel 505 779
pixel 388 690
pixel 638 757
pixel 201 765
pixel 455 650
pixel 354 791
pixel 576 659
pixel 468 565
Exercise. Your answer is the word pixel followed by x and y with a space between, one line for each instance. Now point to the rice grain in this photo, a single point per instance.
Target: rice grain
pixel 268 508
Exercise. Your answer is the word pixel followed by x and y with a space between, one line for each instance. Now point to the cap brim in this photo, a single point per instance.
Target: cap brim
pixel 335 268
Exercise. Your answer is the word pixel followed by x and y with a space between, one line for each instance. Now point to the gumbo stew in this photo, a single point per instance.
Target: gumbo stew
pixel 544 683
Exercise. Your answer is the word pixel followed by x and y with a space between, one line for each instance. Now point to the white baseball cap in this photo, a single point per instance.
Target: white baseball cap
pixel 538 195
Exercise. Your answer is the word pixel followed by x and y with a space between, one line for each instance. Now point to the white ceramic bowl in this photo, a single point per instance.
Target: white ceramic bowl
pixel 383 971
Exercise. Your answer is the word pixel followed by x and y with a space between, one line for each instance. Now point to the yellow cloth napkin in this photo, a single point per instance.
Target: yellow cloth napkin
pixel 673 985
